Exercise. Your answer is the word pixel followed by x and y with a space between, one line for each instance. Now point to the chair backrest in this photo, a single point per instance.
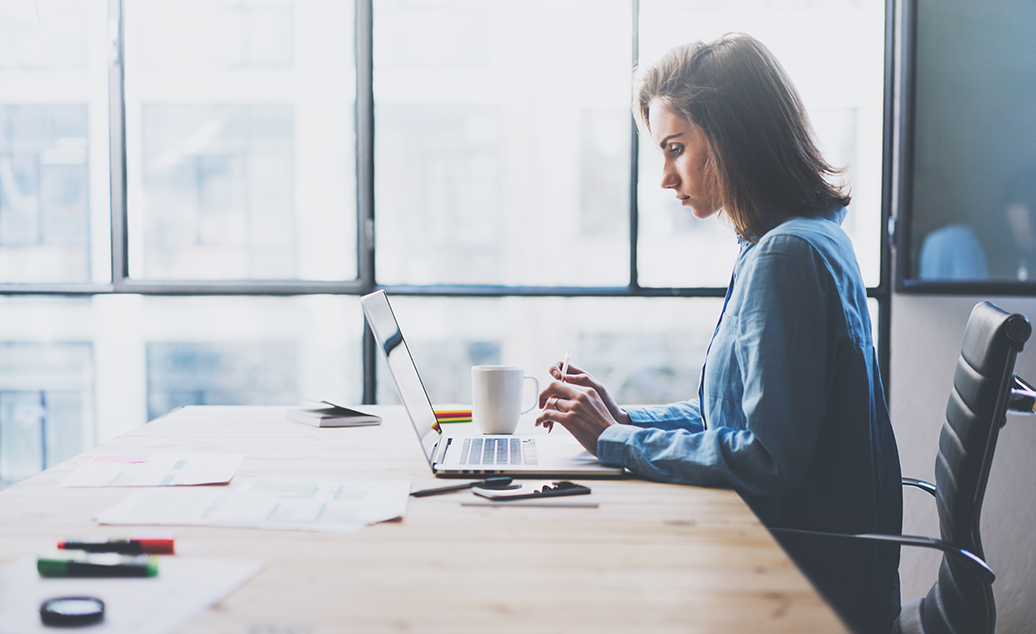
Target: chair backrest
pixel 977 409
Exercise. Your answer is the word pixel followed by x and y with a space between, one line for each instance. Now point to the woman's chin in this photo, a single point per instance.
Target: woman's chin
pixel 701 213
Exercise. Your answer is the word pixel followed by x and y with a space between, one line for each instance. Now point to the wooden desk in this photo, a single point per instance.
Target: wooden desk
pixel 652 558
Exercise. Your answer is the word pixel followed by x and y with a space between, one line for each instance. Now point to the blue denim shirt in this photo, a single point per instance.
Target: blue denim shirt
pixel 790 413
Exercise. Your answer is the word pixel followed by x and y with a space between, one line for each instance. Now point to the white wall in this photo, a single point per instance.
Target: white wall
pixel 926 339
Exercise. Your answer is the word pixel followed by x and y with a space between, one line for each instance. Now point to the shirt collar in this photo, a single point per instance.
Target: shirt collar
pixel 835 214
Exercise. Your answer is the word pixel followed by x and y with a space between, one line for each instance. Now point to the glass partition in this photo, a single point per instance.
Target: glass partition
pixel 967 206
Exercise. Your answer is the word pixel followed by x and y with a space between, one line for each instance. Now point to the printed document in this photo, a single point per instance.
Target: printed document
pixel 155 470
pixel 340 507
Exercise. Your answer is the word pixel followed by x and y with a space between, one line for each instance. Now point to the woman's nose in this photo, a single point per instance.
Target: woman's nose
pixel 670 180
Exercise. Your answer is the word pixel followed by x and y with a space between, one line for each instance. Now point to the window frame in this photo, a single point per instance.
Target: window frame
pixel 901 224
pixel 366 281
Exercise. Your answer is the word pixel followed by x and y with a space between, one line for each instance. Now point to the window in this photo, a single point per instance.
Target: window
pixel 193 195
pixel 485 116
pixel 240 140
pixel 53 144
pixel 47 387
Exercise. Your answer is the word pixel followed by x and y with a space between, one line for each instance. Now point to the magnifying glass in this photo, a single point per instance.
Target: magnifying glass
pixel 72 611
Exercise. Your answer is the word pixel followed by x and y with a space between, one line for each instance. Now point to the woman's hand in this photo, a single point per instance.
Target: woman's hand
pixel 581 404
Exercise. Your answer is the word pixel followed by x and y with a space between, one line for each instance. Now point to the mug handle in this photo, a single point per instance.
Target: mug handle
pixel 536 392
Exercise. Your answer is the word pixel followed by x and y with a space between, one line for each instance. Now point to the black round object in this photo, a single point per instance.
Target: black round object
pixel 72 611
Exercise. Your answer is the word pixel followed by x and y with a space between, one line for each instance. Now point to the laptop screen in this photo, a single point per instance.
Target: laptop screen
pixel 401 366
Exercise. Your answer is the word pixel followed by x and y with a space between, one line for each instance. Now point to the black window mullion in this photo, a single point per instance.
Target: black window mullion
pixel 634 219
pixel 365 181
pixel 365 141
pixel 117 145
pixel 883 294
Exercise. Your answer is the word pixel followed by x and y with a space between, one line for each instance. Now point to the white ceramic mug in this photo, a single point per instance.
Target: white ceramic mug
pixel 496 397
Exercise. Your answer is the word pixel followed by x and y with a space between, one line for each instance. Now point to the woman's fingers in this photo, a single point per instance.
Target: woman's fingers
pixel 573 375
pixel 554 388
pixel 579 403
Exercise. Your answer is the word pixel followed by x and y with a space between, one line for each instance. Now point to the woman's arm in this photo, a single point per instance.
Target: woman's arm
pixel 586 408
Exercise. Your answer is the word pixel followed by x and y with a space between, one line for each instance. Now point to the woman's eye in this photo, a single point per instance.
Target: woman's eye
pixel 676 150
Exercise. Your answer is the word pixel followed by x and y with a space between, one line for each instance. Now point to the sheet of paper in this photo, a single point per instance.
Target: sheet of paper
pixel 340 507
pixel 184 587
pixel 155 470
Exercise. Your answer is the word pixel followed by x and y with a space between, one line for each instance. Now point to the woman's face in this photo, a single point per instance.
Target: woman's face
pixel 685 151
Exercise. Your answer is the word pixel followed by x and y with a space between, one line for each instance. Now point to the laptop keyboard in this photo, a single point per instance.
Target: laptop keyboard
pixel 498 451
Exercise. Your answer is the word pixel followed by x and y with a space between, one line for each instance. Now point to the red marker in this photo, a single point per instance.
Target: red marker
pixel 134 546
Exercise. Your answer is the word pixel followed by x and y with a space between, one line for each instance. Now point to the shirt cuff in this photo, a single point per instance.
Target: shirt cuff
pixel 611 444
pixel 685 415
pixel 639 414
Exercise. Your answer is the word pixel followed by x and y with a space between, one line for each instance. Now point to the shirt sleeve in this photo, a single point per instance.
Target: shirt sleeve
pixel 780 347
pixel 685 415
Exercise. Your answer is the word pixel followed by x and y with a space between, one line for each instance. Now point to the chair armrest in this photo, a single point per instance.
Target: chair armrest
pixel 920 484
pixel 971 561
pixel 1022 399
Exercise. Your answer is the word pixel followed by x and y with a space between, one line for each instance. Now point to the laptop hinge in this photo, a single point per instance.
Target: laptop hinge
pixel 439 457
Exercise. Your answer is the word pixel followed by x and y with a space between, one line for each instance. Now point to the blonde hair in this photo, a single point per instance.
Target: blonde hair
pixel 762 151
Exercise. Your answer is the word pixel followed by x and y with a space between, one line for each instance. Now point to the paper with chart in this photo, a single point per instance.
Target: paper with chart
pixel 340 507
pixel 155 470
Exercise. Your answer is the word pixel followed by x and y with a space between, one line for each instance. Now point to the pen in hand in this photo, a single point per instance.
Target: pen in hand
pixel 561 379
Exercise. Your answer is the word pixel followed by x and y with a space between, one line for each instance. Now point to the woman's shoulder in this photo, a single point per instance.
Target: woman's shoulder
pixel 822 232
pixel 804 248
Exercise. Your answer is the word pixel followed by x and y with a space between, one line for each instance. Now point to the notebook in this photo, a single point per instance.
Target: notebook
pixel 468 456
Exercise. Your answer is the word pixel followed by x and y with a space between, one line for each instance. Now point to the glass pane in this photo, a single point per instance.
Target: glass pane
pixel 973 181
pixel 240 139
pixel 124 359
pixel 842 89
pixel 54 161
pixel 250 350
pixel 645 350
pixel 47 384
pixel 503 141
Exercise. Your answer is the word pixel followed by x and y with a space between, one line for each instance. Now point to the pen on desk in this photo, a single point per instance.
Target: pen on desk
pixel 132 546
pixel 519 503
pixel 489 483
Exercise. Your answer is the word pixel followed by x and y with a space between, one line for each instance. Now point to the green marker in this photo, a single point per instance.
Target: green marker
pixel 82 564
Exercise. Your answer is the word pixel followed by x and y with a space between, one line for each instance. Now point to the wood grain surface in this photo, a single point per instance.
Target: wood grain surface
pixel 650 558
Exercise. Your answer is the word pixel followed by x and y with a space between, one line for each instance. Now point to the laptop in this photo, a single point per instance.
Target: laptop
pixel 468 456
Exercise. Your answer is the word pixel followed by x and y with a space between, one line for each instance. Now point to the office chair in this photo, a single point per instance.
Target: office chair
pixel 984 389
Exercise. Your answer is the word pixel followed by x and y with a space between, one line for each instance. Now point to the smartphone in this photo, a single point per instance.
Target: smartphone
pixel 535 489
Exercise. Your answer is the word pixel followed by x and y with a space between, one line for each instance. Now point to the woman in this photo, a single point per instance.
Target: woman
pixel 790 410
